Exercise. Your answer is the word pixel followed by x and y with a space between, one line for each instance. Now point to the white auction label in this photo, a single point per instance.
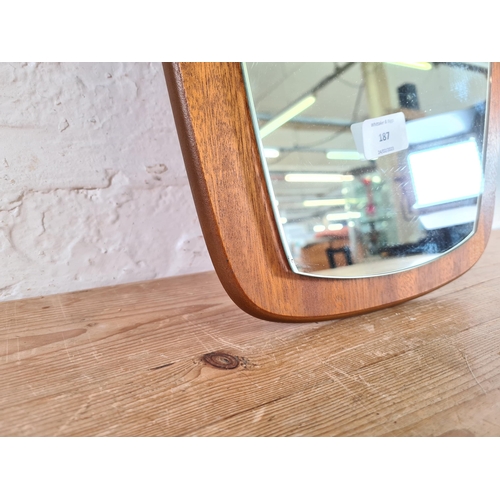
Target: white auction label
pixel 380 136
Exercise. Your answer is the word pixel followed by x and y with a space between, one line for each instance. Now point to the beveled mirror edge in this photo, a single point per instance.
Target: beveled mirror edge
pixel 217 137
pixel 274 202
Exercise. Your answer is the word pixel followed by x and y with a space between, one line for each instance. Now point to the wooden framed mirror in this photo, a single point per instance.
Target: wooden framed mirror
pixel 222 140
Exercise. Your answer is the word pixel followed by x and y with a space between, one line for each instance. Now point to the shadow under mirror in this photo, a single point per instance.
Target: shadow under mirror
pixel 372 167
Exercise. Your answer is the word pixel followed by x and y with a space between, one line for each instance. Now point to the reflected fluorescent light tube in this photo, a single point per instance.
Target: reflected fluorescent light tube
pixel 344 155
pixel 319 228
pixel 283 220
pixel 425 66
pixel 335 227
pixel 318 178
pixel 287 115
pixel 344 216
pixel 271 152
pixel 324 203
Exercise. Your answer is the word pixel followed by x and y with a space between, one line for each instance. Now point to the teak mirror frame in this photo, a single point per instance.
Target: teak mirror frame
pixel 227 180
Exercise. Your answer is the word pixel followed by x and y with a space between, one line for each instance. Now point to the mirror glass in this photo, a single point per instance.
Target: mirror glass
pixel 372 167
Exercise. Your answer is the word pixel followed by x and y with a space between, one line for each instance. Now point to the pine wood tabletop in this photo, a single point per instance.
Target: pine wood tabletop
pixel 175 357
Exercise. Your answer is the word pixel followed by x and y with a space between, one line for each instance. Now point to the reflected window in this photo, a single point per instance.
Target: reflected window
pixel 445 174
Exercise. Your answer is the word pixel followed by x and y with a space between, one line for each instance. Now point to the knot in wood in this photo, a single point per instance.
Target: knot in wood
pixel 221 360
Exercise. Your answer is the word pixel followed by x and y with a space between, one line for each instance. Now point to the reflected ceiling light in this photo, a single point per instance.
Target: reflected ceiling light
pixel 271 152
pixel 287 115
pixel 344 155
pixel 319 228
pixel 283 220
pixel 425 66
pixel 318 178
pixel 344 216
pixel 335 227
pixel 324 203
pixel 376 179
pixel 351 223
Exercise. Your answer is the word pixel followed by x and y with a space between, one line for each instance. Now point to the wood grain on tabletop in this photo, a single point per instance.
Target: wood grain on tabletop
pixel 128 360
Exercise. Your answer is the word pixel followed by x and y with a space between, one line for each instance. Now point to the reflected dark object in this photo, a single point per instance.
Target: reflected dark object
pixel 436 241
pixel 408 97
pixel 330 252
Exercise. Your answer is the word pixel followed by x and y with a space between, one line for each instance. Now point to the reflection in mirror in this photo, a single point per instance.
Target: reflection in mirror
pixel 372 167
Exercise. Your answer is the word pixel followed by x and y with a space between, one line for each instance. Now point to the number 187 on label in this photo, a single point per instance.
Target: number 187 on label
pixel 384 135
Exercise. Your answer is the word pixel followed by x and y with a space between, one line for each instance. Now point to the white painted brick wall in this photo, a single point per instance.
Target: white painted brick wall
pixel 93 190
